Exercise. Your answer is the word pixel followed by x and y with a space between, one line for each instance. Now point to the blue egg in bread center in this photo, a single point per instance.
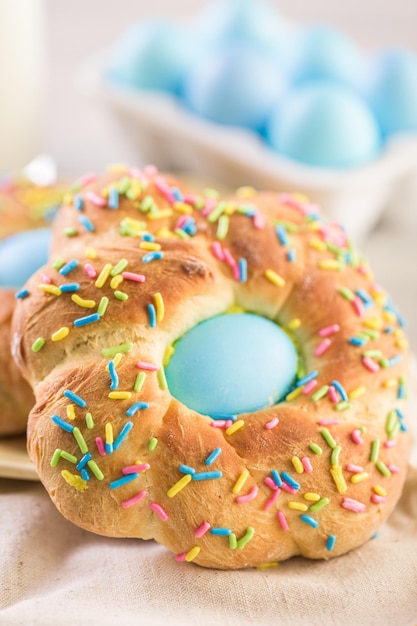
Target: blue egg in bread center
pixel 232 363
pixel 22 254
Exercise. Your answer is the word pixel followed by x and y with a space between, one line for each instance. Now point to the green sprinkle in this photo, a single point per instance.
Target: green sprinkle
pixel 210 192
pixel 146 204
pixel 315 448
pixel 246 538
pixel 133 192
pixel 319 505
pixel 342 406
pixel 335 455
pixel 68 457
pixel 333 248
pixel 320 393
pixel 38 344
pixel 58 264
pixel 215 214
pixel 71 231
pixel 384 362
pixel 139 382
pixel 121 295
pixel 289 226
pixel 372 334
pixel 391 422
pixel 80 440
pixel 374 451
pixel 95 469
pixel 152 444
pixel 222 227
pixel 102 307
pixel 119 267
pixel 124 184
pixel 162 379
pixel 122 347
pixel 373 354
pixel 383 469
pixel 347 293
pixel 395 430
pixel 182 234
pixel 89 421
pixel 56 457
pixel 199 204
pixel 232 541
pixel 328 438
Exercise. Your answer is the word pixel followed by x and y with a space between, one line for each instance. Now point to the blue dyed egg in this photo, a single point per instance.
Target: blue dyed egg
pixel 22 254
pixel 393 91
pixel 324 125
pixel 232 363
pixel 234 85
pixel 151 55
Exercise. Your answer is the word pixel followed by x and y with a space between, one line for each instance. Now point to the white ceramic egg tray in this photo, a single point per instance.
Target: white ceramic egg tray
pixel 164 133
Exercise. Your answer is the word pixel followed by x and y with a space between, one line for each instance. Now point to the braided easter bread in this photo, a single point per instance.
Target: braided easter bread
pixel 138 264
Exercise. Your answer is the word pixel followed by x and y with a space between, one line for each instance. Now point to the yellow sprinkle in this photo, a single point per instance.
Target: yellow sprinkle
pixel 116 281
pixel 167 355
pixel 53 289
pixel 314 226
pixel 240 481
pixel 159 306
pixel 311 496
pixel 234 427
pixel 229 209
pixel 60 334
pixel 74 480
pixel 91 253
pixel 294 323
pixel 182 207
pixel 165 233
pixel 375 323
pixel 183 482
pixel 150 245
pixel 297 506
pixel 117 168
pixel 300 197
pixel 86 304
pixel 246 192
pixel 401 344
pixel 329 264
pixel 359 477
pixel 391 382
pixel 67 199
pixel 109 433
pixel 71 412
pixel 294 394
pixel 192 554
pixel 357 392
pixel 160 215
pixel 298 466
pixel 338 478
pixel 380 491
pixel 318 244
pixel 120 395
pixel 274 278
pixel 103 276
pixel 268 565
pixel 389 317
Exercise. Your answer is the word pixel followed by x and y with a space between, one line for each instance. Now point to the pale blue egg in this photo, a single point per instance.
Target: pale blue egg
pixel 233 85
pixel 22 254
pixel 393 91
pixel 232 363
pixel 324 125
pixel 152 55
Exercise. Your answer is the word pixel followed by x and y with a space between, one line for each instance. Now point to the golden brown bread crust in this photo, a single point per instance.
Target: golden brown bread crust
pixel 340 462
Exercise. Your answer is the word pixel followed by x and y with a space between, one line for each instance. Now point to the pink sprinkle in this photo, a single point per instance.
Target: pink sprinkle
pixel 138 278
pixel 322 347
pixel 86 178
pixel 229 258
pixel 137 498
pixel 249 496
pixel 89 270
pixel 390 443
pixel 135 172
pixel 163 187
pixel 189 198
pixel 308 388
pixel 150 170
pixel 358 306
pixel 286 487
pixel 376 499
pixel 201 530
pixel 282 520
pixel 394 469
pixel 100 446
pixel 159 510
pixel 217 250
pixel 269 482
pixel 328 422
pixel 272 499
pixel 258 221
pixel 353 505
pixel 333 394
pixel 133 469
pixel 272 423
pixel 308 468
pixel 145 365
pixel 180 558
pixel 221 423
pixel 329 330
pixel 95 199
pixel 209 206
pixel 370 364
pixel 46 279
pixel 181 221
pixel 357 437
pixel 288 200
pixel 356 469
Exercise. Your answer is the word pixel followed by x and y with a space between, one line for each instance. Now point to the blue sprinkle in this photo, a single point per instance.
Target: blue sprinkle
pixel 88 319
pixel 207 475
pixel 291 255
pixel 85 474
pixel 186 469
pixel 177 194
pixel 289 480
pixel 123 481
pixel 221 532
pixel 276 478
pixel 243 270
pixel 223 416
pixel 309 520
pixel 87 223
pixel 74 398
pixel 375 536
pixel 213 456
pixel 365 297
pixel 394 360
pixel 113 375
pixel 83 462
pixel 68 267
pixel 113 200
pixel 137 406
pixel 62 424
pixel 109 448
pixel 69 287
pixel 152 315
pixel 388 330
pixel 282 235
pixel 152 256
pixel 401 392
pixel 122 435
pixel 190 227
pixel 306 379
pixel 340 389
pixel 23 293
pixel 358 341
pixel 78 203
pixel 330 542
pixel 148 237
